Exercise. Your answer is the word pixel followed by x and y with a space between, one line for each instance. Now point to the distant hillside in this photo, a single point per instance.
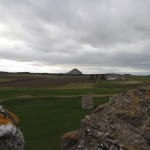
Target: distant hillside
pixel 75 72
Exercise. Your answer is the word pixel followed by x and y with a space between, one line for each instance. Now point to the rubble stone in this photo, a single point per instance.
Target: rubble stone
pixel 11 137
pixel 121 124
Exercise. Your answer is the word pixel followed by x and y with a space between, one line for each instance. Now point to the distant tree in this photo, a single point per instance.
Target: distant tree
pixel 103 77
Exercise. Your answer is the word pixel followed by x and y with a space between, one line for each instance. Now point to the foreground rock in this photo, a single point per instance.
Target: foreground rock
pixel 11 137
pixel 121 124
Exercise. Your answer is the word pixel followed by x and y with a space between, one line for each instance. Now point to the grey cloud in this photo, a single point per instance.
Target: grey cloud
pixel 55 32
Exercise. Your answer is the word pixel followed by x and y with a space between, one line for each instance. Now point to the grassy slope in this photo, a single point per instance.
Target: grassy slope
pixel 44 121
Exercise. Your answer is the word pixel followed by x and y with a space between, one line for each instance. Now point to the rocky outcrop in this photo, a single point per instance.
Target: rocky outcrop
pixel 121 124
pixel 11 137
pixel 69 139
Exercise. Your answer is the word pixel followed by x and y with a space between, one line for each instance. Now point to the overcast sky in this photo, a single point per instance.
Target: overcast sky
pixel 95 36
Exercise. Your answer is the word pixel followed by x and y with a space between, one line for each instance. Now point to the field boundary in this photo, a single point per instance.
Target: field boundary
pixel 27 97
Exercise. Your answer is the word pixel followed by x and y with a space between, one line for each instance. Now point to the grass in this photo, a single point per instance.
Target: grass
pixel 13 93
pixel 44 121
pixel 27 75
pixel 100 87
pixel 140 78
pixel 6 79
pixel 118 85
pixel 78 86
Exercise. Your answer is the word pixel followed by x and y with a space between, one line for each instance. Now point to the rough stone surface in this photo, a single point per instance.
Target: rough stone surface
pixel 121 124
pixel 11 137
pixel 69 139
pixel 87 101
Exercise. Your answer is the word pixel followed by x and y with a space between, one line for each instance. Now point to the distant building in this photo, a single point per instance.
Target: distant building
pixel 127 75
pixel 98 76
pixel 110 76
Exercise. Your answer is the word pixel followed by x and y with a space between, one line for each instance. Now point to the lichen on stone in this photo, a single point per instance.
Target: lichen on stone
pixel 11 138
pixel 121 124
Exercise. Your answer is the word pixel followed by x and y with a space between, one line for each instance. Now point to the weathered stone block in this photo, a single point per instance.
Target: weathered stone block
pixel 87 101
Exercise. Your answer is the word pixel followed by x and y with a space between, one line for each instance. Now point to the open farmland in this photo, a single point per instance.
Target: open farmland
pixel 49 106
pixel 43 81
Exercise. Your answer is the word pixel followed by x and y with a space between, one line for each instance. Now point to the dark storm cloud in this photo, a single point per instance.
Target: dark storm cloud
pixel 82 33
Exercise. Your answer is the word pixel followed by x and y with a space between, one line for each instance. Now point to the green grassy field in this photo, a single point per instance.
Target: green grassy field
pixel 5 79
pixel 45 120
pixel 75 89
pixel 35 75
pixel 49 112
pixel 118 85
pixel 13 93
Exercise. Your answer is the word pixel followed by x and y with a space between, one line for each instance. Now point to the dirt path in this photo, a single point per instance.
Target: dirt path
pixel 64 96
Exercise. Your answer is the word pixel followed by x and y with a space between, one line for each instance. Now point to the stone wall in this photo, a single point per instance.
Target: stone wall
pixel 121 124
